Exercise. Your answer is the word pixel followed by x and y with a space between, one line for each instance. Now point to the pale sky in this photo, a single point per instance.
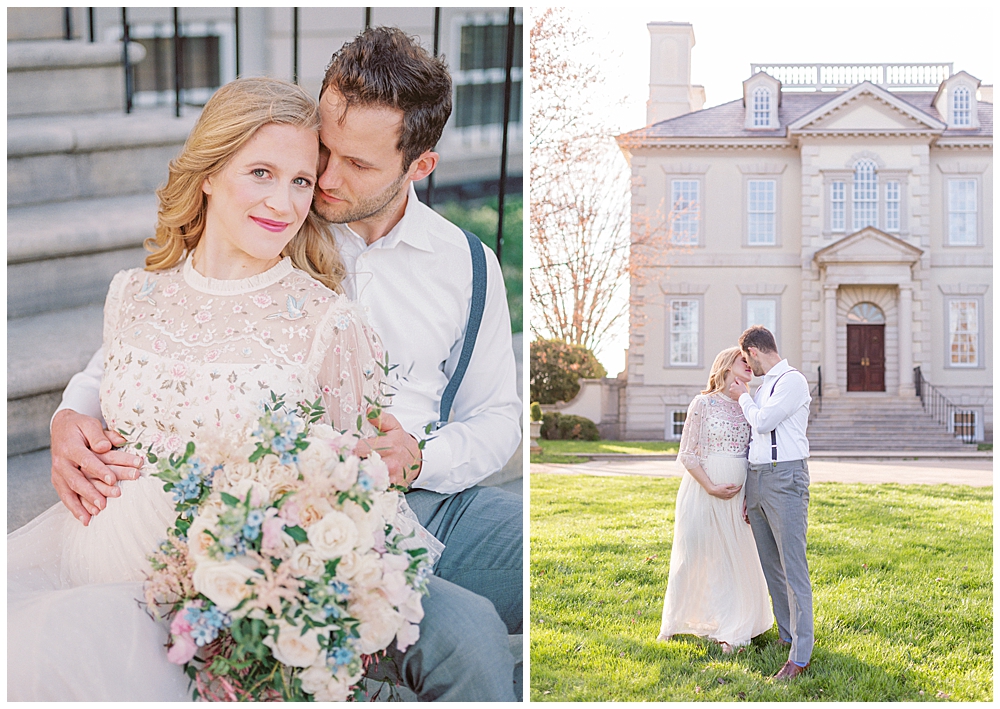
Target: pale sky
pixel 728 37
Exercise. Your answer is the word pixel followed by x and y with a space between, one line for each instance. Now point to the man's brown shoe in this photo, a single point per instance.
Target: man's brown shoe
pixel 789 671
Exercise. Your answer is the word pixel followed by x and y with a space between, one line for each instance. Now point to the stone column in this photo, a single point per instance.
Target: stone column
pixel 830 387
pixel 906 339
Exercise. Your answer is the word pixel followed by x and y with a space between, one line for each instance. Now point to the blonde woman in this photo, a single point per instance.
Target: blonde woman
pixel 716 587
pixel 236 301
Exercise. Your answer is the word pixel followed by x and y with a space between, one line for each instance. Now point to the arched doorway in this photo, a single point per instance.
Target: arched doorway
pixel 866 348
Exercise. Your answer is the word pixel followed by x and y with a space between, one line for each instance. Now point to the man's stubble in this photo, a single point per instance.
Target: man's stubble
pixel 365 208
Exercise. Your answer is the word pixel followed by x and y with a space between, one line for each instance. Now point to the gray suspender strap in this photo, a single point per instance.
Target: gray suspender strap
pixel 472 329
pixel 774 435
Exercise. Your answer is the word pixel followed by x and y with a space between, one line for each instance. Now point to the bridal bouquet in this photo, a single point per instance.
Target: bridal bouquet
pixel 290 566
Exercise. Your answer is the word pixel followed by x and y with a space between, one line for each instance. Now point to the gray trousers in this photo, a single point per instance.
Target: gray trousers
pixel 778 507
pixel 475 598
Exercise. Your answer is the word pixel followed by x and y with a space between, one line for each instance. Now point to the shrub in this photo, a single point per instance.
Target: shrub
pixel 536 411
pixel 567 427
pixel 556 370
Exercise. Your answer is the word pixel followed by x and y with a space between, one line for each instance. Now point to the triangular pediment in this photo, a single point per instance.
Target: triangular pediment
pixel 869 246
pixel 866 108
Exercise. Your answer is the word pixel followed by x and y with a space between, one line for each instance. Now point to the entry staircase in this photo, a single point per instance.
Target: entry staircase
pixel 876 422
pixel 81 181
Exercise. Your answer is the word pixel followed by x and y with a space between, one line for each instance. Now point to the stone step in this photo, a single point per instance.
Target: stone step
pixel 64 255
pixel 65 158
pixel 51 77
pixel 43 352
pixel 29 487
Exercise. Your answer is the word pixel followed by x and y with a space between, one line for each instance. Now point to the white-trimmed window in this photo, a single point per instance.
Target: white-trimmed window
pixel 838 201
pixel 864 205
pixel 892 202
pixel 761 212
pixel 480 75
pixel 761 311
pixel 683 324
pixel 675 424
pixel 761 107
pixel 963 332
pixel 962 215
pixel 961 107
pixel 965 423
pixel 685 211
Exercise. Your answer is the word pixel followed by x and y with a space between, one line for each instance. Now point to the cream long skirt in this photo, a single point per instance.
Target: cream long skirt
pixel 716 587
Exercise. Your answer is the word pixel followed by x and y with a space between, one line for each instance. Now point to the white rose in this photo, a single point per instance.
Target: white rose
pixel 406 636
pixel 259 494
pixel 379 621
pixel 376 469
pixel 368 572
pixel 322 431
pixel 412 609
pixel 334 535
pixel 345 474
pixel 224 583
pixel 305 561
pixel 294 646
pixel 394 586
pixel 325 686
pixel 387 504
pixel 348 565
pixel 317 459
pixel 366 523
pixel 198 540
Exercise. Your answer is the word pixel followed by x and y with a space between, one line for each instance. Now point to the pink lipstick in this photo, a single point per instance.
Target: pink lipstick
pixel 270 225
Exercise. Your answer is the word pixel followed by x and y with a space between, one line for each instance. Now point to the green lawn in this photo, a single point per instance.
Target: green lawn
pixel 481 219
pixel 555 451
pixel 902 593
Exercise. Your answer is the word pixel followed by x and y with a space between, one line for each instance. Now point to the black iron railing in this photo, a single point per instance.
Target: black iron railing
pixel 816 393
pixel 178 70
pixel 962 422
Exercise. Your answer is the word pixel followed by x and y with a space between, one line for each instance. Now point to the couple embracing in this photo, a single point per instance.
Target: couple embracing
pixel 291 257
pixel 731 549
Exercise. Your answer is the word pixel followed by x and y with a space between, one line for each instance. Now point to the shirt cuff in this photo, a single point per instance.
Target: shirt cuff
pixel 435 468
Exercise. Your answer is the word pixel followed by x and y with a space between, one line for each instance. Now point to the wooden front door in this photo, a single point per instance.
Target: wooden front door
pixel 866 358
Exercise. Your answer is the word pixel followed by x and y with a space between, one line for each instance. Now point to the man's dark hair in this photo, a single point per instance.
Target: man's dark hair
pixel 758 336
pixel 385 67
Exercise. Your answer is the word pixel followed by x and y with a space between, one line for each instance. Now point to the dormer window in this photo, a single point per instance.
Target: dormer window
pixel 761 107
pixel 956 101
pixel 761 100
pixel 961 107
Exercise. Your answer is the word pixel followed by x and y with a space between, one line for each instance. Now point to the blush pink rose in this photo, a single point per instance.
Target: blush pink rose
pixel 182 650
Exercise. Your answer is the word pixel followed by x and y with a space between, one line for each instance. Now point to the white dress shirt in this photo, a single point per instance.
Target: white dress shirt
pixel 786 413
pixel 415 285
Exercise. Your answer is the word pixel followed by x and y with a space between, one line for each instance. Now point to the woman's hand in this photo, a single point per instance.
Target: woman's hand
pixel 724 492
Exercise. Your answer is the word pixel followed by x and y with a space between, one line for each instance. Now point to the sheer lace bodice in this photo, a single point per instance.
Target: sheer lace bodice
pixel 714 426
pixel 186 354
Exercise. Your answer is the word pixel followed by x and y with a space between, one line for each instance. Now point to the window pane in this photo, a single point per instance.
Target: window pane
pixel 961 108
pixel 864 207
pixel 677 421
pixel 685 211
pixel 762 311
pixel 761 107
pixel 892 206
pixel 962 212
pixel 963 326
pixel 760 211
pixel 837 200
pixel 683 332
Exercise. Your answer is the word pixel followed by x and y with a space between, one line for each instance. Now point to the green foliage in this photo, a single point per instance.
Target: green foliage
pixel 567 427
pixel 536 411
pixel 557 367
pixel 481 218
pixel 902 581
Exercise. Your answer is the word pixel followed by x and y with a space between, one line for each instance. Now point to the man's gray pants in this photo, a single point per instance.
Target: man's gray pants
pixel 778 507
pixel 475 598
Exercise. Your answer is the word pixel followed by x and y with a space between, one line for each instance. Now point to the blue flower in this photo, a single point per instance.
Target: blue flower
pixel 365 481
pixel 341 656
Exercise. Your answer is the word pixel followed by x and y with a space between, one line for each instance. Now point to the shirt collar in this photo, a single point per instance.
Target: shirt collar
pixel 778 369
pixel 410 229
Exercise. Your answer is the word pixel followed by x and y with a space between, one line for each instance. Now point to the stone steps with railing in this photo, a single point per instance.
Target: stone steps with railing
pixel 869 422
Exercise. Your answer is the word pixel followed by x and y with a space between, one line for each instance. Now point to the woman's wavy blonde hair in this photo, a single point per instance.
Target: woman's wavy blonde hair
pixel 724 361
pixel 229 120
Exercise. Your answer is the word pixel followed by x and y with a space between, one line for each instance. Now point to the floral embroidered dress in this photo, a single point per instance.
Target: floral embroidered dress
pixel 186 357
pixel 716 587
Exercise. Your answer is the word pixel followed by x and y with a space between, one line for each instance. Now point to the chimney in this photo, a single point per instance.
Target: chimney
pixel 670 91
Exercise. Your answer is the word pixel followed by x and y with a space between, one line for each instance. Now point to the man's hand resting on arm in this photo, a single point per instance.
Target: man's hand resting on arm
pixel 399 450
pixel 85 468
